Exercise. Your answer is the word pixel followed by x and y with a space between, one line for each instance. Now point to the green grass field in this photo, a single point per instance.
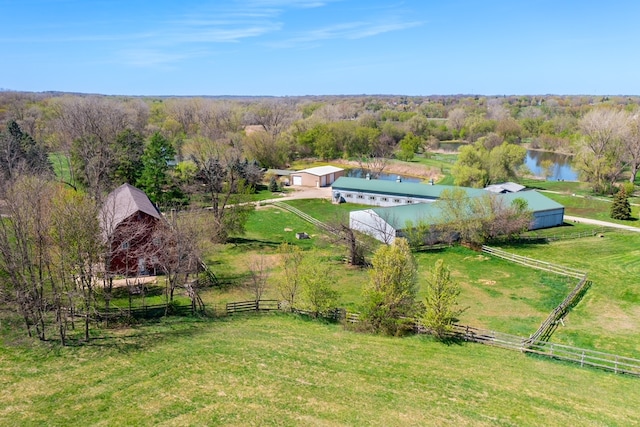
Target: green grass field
pixel 591 207
pixel 281 370
pixel 499 295
pixel 607 318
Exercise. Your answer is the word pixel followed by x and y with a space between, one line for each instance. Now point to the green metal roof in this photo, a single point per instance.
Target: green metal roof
pixel 398 216
pixel 407 189
pixel 537 202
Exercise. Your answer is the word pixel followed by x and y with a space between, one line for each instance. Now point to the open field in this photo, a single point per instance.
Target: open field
pixel 284 370
pixel 607 318
pixel 281 370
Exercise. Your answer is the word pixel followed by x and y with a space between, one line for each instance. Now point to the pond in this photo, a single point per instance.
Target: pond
pixel 558 165
pixel 362 173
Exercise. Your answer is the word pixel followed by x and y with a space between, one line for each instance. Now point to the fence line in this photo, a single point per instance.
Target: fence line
pixel 246 306
pixel 305 216
pixel 563 236
pixel 584 357
pixel 550 324
pixel 534 263
pixel 144 312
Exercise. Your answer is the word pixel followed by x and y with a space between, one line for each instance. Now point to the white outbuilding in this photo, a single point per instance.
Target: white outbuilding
pixel 320 176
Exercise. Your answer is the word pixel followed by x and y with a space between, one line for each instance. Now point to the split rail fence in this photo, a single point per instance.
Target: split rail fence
pixel 583 357
pixel 247 306
pixel 534 263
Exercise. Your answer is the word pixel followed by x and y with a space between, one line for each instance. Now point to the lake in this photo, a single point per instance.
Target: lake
pixel 362 173
pixel 560 164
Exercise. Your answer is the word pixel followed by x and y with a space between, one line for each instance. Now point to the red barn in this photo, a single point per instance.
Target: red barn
pixel 129 219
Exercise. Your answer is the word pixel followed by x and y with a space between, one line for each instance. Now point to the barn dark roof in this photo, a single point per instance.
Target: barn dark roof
pixel 123 202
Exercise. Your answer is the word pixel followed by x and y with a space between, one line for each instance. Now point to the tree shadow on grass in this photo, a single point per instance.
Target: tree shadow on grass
pixel 148 334
pixel 253 243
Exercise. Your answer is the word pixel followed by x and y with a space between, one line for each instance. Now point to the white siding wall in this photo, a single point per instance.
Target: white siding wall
pixel 370 223
pixel 546 219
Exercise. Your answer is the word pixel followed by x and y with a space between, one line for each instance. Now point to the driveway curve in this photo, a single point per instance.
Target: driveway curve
pixel 601 223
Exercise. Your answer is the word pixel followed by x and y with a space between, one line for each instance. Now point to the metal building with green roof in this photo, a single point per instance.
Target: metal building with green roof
pixel 378 192
pixel 398 204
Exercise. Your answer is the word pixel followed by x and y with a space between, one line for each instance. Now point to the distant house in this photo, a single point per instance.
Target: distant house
pixel 128 220
pixel 320 176
pixel 397 204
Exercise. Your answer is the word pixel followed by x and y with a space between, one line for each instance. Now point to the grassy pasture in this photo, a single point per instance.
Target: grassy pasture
pixel 608 316
pixel 281 370
pixel 499 295
pixel 590 207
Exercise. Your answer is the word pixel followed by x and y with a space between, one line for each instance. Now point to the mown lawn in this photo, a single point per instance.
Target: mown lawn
pixel 607 318
pixel 281 370
pixel 591 207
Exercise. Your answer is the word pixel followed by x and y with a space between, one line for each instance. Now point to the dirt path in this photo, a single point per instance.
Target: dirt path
pixel 578 219
pixel 301 193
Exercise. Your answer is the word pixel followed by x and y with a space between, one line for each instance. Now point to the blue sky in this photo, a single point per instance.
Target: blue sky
pixel 321 47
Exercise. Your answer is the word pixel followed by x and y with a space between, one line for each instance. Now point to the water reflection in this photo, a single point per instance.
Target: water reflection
pixel 555 166
pixel 362 173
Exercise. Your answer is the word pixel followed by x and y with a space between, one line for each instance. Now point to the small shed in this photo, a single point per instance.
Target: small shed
pixel 320 176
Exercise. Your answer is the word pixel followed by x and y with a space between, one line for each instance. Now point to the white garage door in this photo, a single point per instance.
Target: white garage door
pixel 297 180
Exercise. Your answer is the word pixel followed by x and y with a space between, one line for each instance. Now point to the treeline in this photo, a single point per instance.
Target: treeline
pixel 104 138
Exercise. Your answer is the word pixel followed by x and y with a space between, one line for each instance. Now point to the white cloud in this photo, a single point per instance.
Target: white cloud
pixel 144 57
pixel 349 31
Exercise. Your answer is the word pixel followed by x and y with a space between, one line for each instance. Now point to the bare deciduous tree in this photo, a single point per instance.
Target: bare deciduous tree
pixel 599 157
pixel 274 116
pixel 456 119
pixel 631 138
pixel 289 283
pixel 258 271
pixel 177 248
pixel 222 171
pixel 24 249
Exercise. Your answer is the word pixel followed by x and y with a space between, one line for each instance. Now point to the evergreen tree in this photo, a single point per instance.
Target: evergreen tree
pixel 273 185
pixel 127 152
pixel 154 178
pixel 620 208
pixel 19 152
